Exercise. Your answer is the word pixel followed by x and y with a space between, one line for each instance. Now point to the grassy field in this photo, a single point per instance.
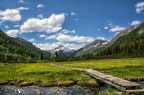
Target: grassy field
pixel 56 74
pixel 130 68
pixel 41 74
pixel 45 74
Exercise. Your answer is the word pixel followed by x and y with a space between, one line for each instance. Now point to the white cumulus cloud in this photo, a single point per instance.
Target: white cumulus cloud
pixel 117 29
pixel 50 46
pixel 136 22
pixel 31 40
pixel 105 27
pixel 40 16
pixel 65 31
pixel 23 8
pixel 12 33
pixel 12 14
pixel 40 6
pixel 52 24
pixel 102 38
pixel 139 7
pixel 73 14
pixel 70 38
pixel 42 36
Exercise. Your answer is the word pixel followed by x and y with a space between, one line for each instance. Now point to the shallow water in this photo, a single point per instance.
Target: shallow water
pixel 104 86
pixel 35 90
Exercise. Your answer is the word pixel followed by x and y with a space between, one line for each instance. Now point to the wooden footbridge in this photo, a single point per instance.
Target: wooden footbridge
pixel 120 84
pixel 113 81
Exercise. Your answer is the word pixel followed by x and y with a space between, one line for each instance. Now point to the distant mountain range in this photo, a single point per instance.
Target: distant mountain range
pixel 64 51
pixel 90 48
pixel 61 47
pixel 120 34
pixel 127 43
pixel 97 45
pixel 18 49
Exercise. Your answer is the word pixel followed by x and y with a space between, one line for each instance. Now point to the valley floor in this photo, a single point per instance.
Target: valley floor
pixel 42 74
pixel 128 68
pixel 61 73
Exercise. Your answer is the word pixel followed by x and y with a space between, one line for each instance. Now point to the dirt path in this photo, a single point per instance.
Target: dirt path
pixel 80 69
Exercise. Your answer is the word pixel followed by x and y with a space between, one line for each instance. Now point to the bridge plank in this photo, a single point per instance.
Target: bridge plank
pixel 135 91
pixel 111 79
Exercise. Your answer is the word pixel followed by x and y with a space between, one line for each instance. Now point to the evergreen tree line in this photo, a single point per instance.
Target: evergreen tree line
pixel 130 45
pixel 17 49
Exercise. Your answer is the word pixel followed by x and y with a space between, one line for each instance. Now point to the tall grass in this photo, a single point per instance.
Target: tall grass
pixel 130 68
pixel 41 74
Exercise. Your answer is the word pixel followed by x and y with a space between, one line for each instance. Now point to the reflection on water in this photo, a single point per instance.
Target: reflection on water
pixel 104 86
pixel 35 90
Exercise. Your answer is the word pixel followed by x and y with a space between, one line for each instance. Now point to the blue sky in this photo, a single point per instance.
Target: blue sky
pixel 72 23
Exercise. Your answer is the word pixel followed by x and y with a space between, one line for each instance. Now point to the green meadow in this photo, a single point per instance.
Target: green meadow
pixel 46 74
pixel 129 68
pixel 42 74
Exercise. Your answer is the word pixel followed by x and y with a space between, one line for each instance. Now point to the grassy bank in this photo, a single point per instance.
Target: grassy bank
pixel 129 68
pixel 46 74
pixel 42 74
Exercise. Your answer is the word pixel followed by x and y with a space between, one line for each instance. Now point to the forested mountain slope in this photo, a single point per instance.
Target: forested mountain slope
pixel 17 49
pixel 120 34
pixel 90 48
pixel 129 45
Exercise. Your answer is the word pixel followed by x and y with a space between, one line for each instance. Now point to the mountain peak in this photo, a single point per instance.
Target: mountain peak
pixel 64 51
pixel 61 48
pixel 98 43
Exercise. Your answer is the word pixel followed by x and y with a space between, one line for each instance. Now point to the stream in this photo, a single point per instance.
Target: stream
pixel 35 90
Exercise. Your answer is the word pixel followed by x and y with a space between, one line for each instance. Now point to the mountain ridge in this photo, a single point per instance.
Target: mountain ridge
pixel 64 51
pixel 61 47
pixel 18 49
pixel 95 45
pixel 122 33
pixel 129 45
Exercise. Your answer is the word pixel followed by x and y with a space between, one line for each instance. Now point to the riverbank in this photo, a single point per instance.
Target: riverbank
pixel 36 90
pixel 127 68
pixel 41 74
pixel 61 74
